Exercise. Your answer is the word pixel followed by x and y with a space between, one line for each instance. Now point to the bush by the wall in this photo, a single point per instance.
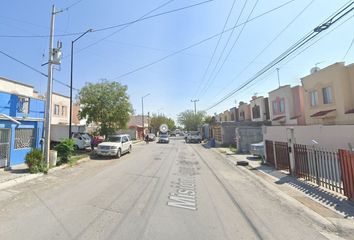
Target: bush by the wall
pixel 35 161
pixel 65 150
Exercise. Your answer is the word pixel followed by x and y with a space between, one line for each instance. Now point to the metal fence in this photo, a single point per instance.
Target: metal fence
pixel 319 165
pixel 282 156
pixel 4 147
pixel 270 153
pixel 346 160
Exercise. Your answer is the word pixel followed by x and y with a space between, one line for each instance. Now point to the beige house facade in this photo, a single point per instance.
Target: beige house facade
pixel 244 112
pixel 286 106
pixel 329 97
pixel 11 86
pixel 259 109
pixel 60 109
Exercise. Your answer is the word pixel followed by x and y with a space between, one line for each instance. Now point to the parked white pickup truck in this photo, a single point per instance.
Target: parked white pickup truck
pixel 115 145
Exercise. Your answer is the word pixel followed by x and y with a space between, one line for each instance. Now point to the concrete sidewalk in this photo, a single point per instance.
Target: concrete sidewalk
pixel 331 205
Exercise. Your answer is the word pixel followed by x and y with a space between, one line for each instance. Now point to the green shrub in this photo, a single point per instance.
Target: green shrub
pixel 65 150
pixel 35 161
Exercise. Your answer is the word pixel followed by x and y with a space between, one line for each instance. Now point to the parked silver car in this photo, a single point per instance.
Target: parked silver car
pixel 257 149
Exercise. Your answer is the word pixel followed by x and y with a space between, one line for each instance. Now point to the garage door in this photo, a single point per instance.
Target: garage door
pixel 4 146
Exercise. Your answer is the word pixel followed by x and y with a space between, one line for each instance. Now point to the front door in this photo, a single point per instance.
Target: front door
pixel 4 146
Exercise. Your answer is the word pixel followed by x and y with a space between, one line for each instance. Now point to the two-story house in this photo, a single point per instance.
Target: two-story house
pixel 244 112
pixel 60 109
pixel 329 97
pixel 259 109
pixel 286 105
pixel 21 121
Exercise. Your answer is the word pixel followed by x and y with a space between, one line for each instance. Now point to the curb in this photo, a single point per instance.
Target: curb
pixel 308 212
pixel 29 177
pixel 16 181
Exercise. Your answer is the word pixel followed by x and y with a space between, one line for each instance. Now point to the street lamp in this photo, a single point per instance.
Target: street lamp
pixel 142 111
pixel 71 78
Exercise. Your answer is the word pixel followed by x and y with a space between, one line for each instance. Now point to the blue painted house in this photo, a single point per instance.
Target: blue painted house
pixel 21 125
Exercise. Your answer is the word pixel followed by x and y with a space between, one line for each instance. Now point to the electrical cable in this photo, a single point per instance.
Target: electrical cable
pixel 230 50
pixel 34 69
pixel 216 47
pixel 200 42
pixel 323 26
pixel 110 27
pixel 266 47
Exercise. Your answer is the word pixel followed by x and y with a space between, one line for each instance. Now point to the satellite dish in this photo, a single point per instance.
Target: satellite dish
pixel 315 69
pixel 163 128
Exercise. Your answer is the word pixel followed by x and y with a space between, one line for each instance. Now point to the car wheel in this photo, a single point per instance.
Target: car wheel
pixel 119 153
pixel 130 149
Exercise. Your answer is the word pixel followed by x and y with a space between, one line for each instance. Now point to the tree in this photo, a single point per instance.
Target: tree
pixel 157 120
pixel 106 103
pixel 190 120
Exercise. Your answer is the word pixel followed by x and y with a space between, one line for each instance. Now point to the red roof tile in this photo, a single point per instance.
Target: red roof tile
pixel 278 118
pixel 350 111
pixel 322 113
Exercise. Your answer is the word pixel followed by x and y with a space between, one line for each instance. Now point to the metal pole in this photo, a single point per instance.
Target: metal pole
pixel 278 77
pixel 49 91
pixel 195 105
pixel 71 88
pixel 142 115
pixel 71 79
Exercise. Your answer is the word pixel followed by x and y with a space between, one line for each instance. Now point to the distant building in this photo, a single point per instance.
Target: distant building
pixel 329 95
pixel 286 105
pixel 259 109
pixel 21 121
pixel 244 112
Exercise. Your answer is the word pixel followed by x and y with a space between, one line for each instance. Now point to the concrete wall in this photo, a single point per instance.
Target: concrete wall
pixel 334 136
pixel 247 135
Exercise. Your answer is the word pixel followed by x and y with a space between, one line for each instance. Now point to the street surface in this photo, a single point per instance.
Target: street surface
pixel 159 191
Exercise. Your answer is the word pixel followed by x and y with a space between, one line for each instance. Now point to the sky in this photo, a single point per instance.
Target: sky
pixel 146 55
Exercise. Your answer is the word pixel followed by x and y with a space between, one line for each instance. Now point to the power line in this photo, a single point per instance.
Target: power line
pixel 200 42
pixel 75 3
pixel 223 50
pixel 34 69
pixel 113 26
pixel 350 46
pixel 216 47
pixel 267 46
pixel 232 47
pixel 323 26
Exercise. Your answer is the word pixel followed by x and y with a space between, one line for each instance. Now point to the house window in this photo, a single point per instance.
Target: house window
pixel 23 105
pixel 24 138
pixel 56 109
pixel 327 95
pixel 256 111
pixel 313 98
pixel 63 110
pixel 282 106
pixel 275 107
pixel 242 115
pixel 232 117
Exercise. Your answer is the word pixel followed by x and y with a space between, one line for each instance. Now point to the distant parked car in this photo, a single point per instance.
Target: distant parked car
pixel 115 145
pixel 151 137
pixel 257 149
pixel 163 138
pixel 193 136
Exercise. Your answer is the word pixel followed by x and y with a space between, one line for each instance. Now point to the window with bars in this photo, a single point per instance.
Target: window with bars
pixel 23 105
pixel 256 111
pixel 327 95
pixel 24 138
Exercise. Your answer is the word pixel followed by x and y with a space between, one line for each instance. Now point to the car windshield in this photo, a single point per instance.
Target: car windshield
pixel 113 139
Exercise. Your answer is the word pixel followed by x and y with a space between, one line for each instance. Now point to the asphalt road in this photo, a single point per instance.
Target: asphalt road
pixel 159 191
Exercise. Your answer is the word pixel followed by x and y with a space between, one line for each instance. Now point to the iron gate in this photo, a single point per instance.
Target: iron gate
pixel 4 147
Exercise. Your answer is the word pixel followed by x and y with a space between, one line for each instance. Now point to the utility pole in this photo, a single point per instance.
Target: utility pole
pixel 50 87
pixel 278 77
pixel 71 79
pixel 195 105
pixel 142 113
